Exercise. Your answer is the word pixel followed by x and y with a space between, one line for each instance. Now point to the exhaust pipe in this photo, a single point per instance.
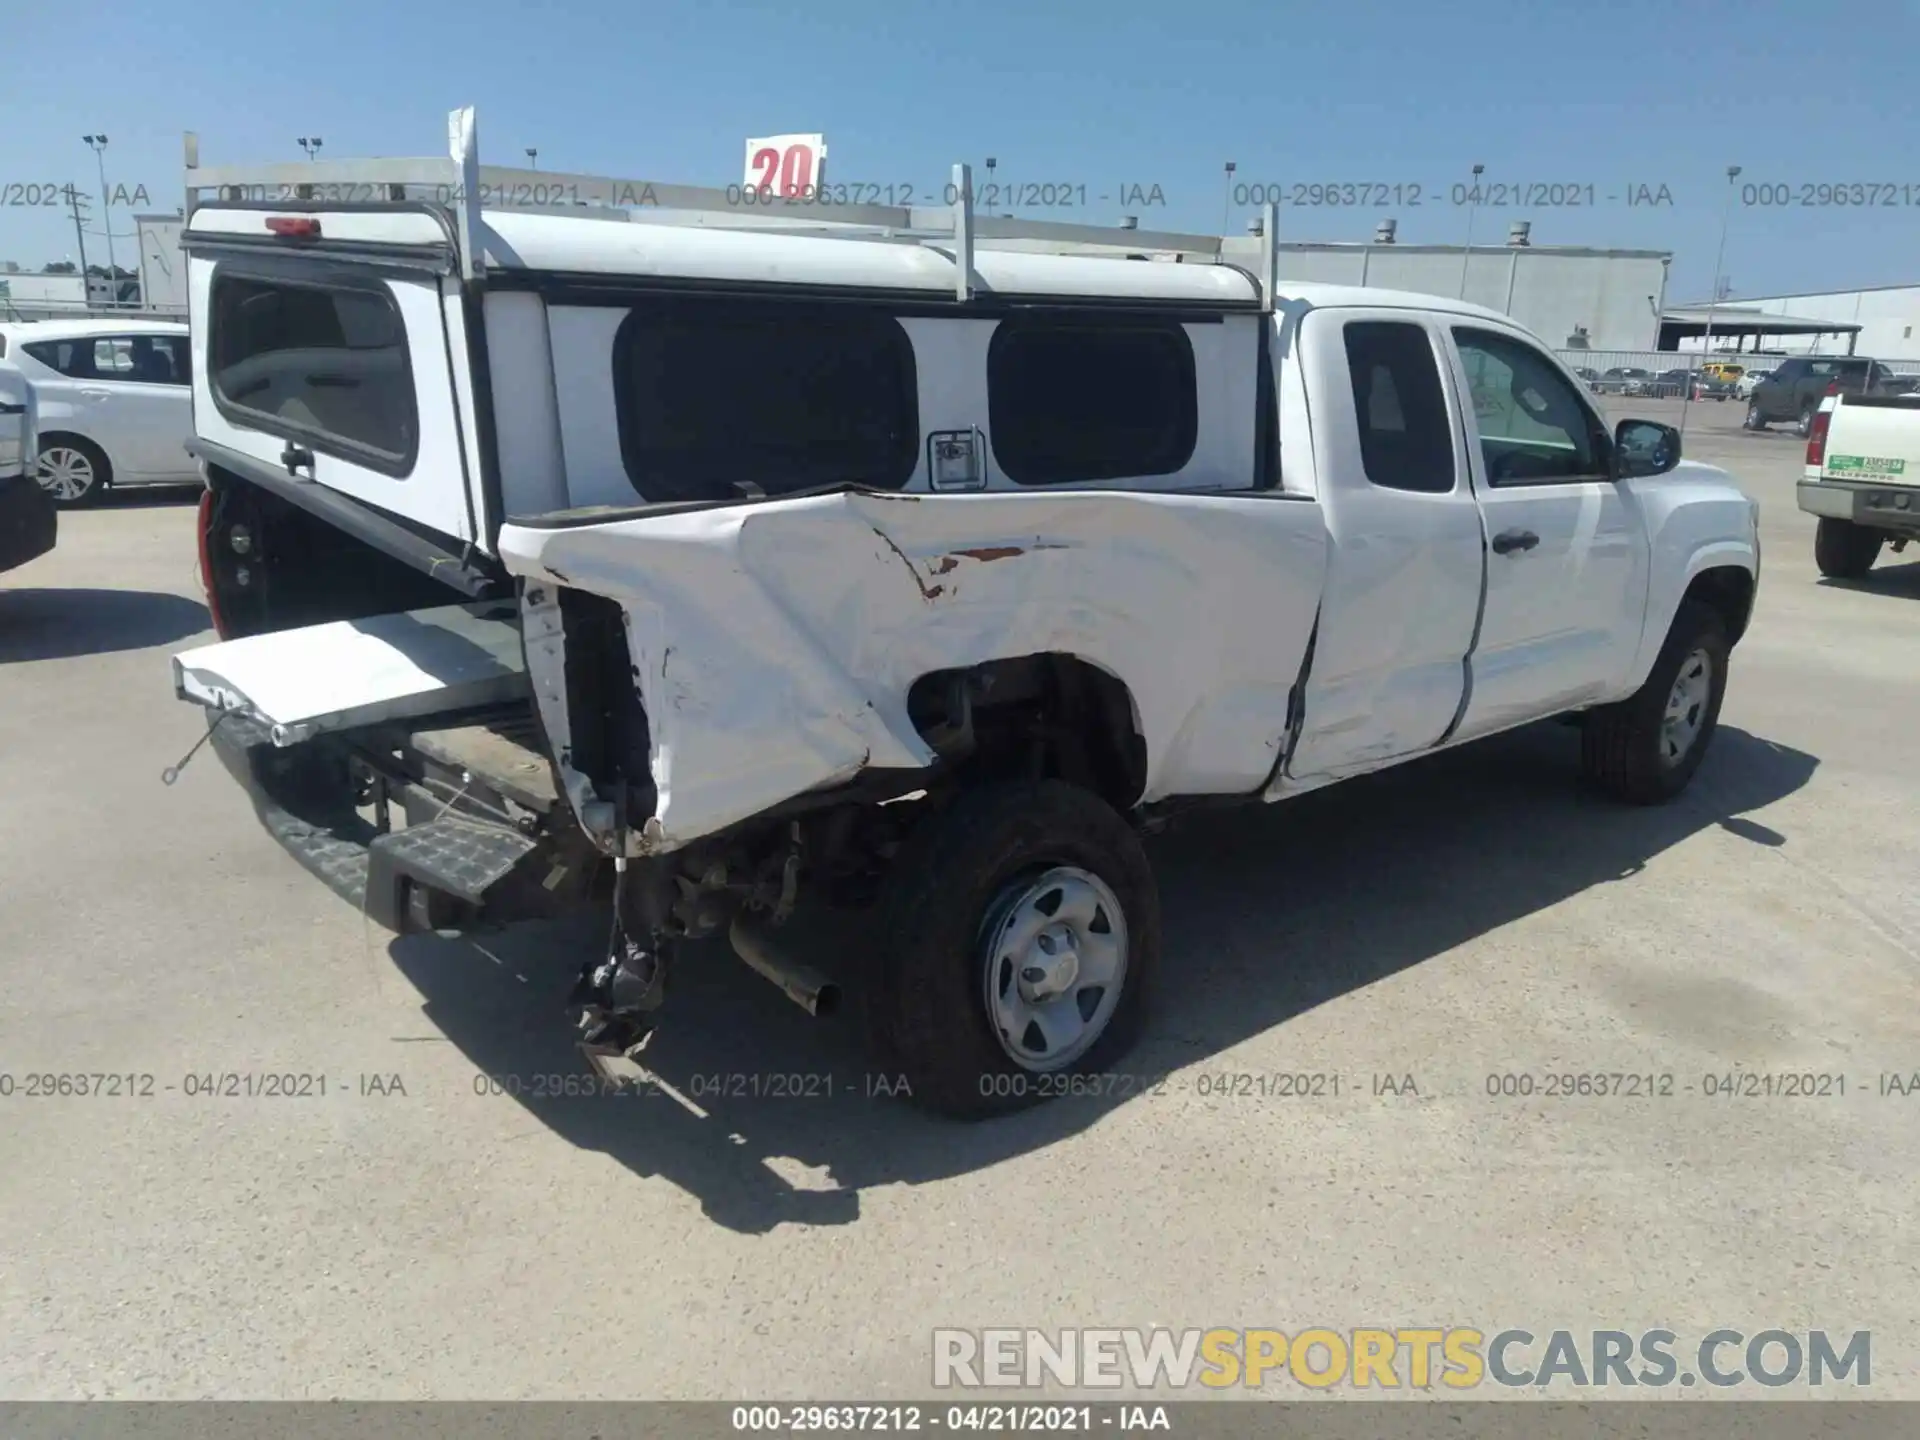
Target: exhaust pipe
pixel 802 984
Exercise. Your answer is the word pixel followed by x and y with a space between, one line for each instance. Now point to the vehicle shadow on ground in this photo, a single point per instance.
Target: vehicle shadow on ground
pixel 1269 912
pixel 57 624
pixel 1897 578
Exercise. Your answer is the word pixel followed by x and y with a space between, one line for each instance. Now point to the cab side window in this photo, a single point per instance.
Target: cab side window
pixel 1405 441
pixel 1535 429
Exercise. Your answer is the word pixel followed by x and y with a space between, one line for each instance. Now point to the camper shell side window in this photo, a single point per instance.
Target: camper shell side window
pixel 718 396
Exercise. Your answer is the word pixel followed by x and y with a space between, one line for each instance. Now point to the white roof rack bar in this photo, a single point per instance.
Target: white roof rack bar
pixel 469 187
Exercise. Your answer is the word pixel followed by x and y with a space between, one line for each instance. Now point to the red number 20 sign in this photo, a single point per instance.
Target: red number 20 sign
pixel 788 166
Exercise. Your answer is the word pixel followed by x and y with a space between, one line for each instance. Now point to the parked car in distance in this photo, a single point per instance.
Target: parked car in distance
pixel 1589 376
pixel 1711 387
pixel 1669 384
pixel 1723 370
pixel 27 519
pixel 1797 386
pixel 1745 386
pixel 1624 380
pixel 115 402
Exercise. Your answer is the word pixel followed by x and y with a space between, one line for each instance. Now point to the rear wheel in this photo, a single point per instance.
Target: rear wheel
pixel 1805 427
pixel 1645 748
pixel 1843 550
pixel 1022 932
pixel 73 471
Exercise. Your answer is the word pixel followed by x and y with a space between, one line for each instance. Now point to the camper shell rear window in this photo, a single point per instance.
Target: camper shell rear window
pixel 321 362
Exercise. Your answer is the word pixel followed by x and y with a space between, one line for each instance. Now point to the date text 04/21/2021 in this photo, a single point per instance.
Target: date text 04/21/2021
pixel 1412 195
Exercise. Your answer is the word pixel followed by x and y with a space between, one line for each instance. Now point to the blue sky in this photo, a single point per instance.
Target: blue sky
pixel 1097 95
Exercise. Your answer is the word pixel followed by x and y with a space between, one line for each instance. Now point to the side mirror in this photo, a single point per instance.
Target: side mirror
pixel 1644 447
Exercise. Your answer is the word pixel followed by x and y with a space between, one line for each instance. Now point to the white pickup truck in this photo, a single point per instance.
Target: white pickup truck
pixel 908 557
pixel 1862 479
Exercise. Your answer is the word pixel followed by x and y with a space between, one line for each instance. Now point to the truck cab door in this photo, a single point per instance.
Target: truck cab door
pixel 1567 551
pixel 1405 560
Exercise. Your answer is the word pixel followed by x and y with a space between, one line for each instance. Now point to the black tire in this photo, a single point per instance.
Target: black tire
pixel 1755 420
pixel 95 456
pixel 927 1009
pixel 1623 748
pixel 1843 550
pixel 1804 427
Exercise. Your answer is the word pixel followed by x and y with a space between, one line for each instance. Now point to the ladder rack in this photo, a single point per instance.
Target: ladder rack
pixel 460 183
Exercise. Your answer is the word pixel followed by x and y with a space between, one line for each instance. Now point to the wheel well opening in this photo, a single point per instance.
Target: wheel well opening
pixel 77 440
pixel 1044 716
pixel 1729 590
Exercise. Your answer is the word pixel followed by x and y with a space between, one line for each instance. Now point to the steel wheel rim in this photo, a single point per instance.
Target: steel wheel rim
pixel 1053 958
pixel 65 473
pixel 1686 713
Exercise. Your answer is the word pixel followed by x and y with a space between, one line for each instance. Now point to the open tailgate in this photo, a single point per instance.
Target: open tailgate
pixel 348 673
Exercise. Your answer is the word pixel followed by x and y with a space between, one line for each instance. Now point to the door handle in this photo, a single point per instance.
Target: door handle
pixel 96 394
pixel 1507 541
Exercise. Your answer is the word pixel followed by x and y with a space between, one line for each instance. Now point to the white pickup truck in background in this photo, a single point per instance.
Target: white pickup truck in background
pixel 1862 480
pixel 717 567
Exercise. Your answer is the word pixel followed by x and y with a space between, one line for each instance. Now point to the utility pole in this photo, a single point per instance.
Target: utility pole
pixel 533 158
pixel 80 237
pixel 1226 201
pixel 98 144
pixel 1473 204
pixel 1714 298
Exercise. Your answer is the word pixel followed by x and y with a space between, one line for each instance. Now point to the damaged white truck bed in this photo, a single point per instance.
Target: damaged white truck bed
pixel 709 561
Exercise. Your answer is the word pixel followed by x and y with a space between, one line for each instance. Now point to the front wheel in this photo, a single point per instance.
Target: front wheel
pixel 1644 749
pixel 1755 420
pixel 1843 550
pixel 1021 936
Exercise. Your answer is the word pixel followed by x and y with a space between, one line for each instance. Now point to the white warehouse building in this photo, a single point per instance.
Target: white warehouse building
pixel 1888 317
pixel 1572 297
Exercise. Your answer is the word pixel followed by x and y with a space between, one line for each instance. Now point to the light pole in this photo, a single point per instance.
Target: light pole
pixel 1226 200
pixel 1713 298
pixel 1473 203
pixel 533 158
pixel 991 162
pixel 311 144
pixel 98 144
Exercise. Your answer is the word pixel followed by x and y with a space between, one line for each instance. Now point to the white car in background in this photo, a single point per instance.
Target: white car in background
pixel 115 402
pixel 1743 388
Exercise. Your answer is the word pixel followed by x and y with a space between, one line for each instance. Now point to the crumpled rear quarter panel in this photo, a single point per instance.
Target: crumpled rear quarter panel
pixel 775 643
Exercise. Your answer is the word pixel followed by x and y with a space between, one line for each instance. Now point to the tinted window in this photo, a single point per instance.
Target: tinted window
pixel 321 363
pixel 718 398
pixel 1077 399
pixel 1405 441
pixel 1534 427
pixel 72 358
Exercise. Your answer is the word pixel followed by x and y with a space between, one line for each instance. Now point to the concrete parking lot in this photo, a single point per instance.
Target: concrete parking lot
pixel 1476 915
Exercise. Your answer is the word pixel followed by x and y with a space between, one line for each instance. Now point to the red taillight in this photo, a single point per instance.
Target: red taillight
pixel 1833 387
pixel 299 227
pixel 206 565
pixel 1817 437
